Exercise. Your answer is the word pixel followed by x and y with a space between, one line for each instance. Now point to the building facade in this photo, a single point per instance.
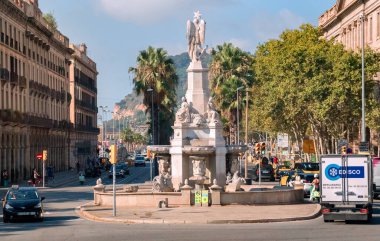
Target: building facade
pixel 344 23
pixel 35 97
pixel 83 107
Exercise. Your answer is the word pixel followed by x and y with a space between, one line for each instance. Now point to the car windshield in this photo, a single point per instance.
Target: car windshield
pixel 22 195
pixel 140 158
pixel 310 166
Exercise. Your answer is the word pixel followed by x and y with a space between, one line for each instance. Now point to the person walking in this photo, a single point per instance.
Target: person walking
pixel 78 166
pixel 35 176
pixel 5 177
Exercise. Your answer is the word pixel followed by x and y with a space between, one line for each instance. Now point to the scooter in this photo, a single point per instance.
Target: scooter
pixel 315 195
pixel 81 179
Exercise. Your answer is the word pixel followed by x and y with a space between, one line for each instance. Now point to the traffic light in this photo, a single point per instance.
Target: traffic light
pixel 148 154
pixel 344 150
pixel 257 148
pixel 113 154
pixel 263 148
pixel 44 155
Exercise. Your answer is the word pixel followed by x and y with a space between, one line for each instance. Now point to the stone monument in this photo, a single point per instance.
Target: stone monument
pixel 198 149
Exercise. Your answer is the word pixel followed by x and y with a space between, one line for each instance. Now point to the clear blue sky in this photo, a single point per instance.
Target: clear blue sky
pixel 116 30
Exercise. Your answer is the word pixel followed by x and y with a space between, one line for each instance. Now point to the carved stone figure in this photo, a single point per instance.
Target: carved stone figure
pixel 212 115
pixel 199 167
pixel 198 119
pixel 163 183
pixel 229 178
pixel 196 30
pixel 235 183
pixel 183 113
pixel 163 165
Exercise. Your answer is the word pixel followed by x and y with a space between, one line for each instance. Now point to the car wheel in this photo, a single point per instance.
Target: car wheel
pixel 5 218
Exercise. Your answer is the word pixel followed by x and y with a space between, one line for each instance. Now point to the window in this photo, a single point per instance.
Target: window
pixel 378 25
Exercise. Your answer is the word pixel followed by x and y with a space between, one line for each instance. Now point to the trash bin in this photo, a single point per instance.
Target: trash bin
pixel 248 181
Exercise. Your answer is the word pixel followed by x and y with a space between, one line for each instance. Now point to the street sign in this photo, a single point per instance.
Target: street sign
pixel 364 148
pixel 308 146
pixel 198 197
pixel 39 156
pixel 204 197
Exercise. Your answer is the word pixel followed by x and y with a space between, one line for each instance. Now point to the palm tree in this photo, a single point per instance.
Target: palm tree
pixel 155 70
pixel 230 68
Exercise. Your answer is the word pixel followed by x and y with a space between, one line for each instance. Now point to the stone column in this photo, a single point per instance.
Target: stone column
pixel 197 86
pixel 215 193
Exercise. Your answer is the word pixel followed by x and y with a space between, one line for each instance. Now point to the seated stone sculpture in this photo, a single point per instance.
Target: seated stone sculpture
pixel 183 113
pixel 212 114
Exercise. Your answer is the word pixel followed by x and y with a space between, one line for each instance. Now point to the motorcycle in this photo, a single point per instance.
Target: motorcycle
pixel 81 179
pixel 315 195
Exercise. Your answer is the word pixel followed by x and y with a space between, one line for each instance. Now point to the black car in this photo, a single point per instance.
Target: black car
pixel 267 172
pixel 121 170
pixel 22 203
pixel 140 161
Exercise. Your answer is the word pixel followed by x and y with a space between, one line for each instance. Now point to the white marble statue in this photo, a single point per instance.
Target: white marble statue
pixel 212 114
pixel 199 167
pixel 196 30
pixel 183 113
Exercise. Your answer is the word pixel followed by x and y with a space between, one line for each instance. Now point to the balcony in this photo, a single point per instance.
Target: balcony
pixel 14 78
pixel 8 115
pixel 38 121
pixel 22 82
pixel 86 105
pixel 83 128
pixel 4 75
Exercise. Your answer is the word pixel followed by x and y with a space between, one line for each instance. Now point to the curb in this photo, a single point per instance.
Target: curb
pixel 81 211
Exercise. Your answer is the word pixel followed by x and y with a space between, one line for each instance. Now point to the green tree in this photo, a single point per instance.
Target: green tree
pixel 230 68
pixel 155 70
pixel 50 19
pixel 309 84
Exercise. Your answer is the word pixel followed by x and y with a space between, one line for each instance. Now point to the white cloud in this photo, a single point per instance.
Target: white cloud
pixel 268 26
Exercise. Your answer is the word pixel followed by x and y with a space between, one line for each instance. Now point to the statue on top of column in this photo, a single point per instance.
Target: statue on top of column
pixel 196 30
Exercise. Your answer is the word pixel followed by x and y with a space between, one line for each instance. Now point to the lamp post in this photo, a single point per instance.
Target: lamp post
pixel 151 90
pixel 237 114
pixel 362 19
pixel 104 110
pixel 237 123
pixel 113 126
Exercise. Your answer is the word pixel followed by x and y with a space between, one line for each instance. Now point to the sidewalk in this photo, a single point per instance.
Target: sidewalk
pixel 60 179
pixel 202 215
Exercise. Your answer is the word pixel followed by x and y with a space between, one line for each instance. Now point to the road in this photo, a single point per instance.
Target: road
pixel 63 223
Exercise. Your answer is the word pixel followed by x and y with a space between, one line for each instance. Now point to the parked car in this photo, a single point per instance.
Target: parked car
pixel 139 160
pixel 307 167
pixel 22 203
pixel 281 169
pixel 267 172
pixel 121 171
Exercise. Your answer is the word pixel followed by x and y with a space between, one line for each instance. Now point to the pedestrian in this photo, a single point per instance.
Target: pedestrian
pixel 5 177
pixel 78 166
pixel 35 177
pixel 50 172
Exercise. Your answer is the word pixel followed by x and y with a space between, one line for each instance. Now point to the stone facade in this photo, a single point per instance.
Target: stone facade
pixel 83 107
pixel 343 23
pixel 34 90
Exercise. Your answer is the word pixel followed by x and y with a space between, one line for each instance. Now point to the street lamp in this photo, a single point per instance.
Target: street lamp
pixel 237 113
pixel 104 110
pixel 362 18
pixel 151 159
pixel 151 90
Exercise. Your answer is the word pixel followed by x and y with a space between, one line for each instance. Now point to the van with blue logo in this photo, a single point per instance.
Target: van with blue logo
pixel 376 176
pixel 346 184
